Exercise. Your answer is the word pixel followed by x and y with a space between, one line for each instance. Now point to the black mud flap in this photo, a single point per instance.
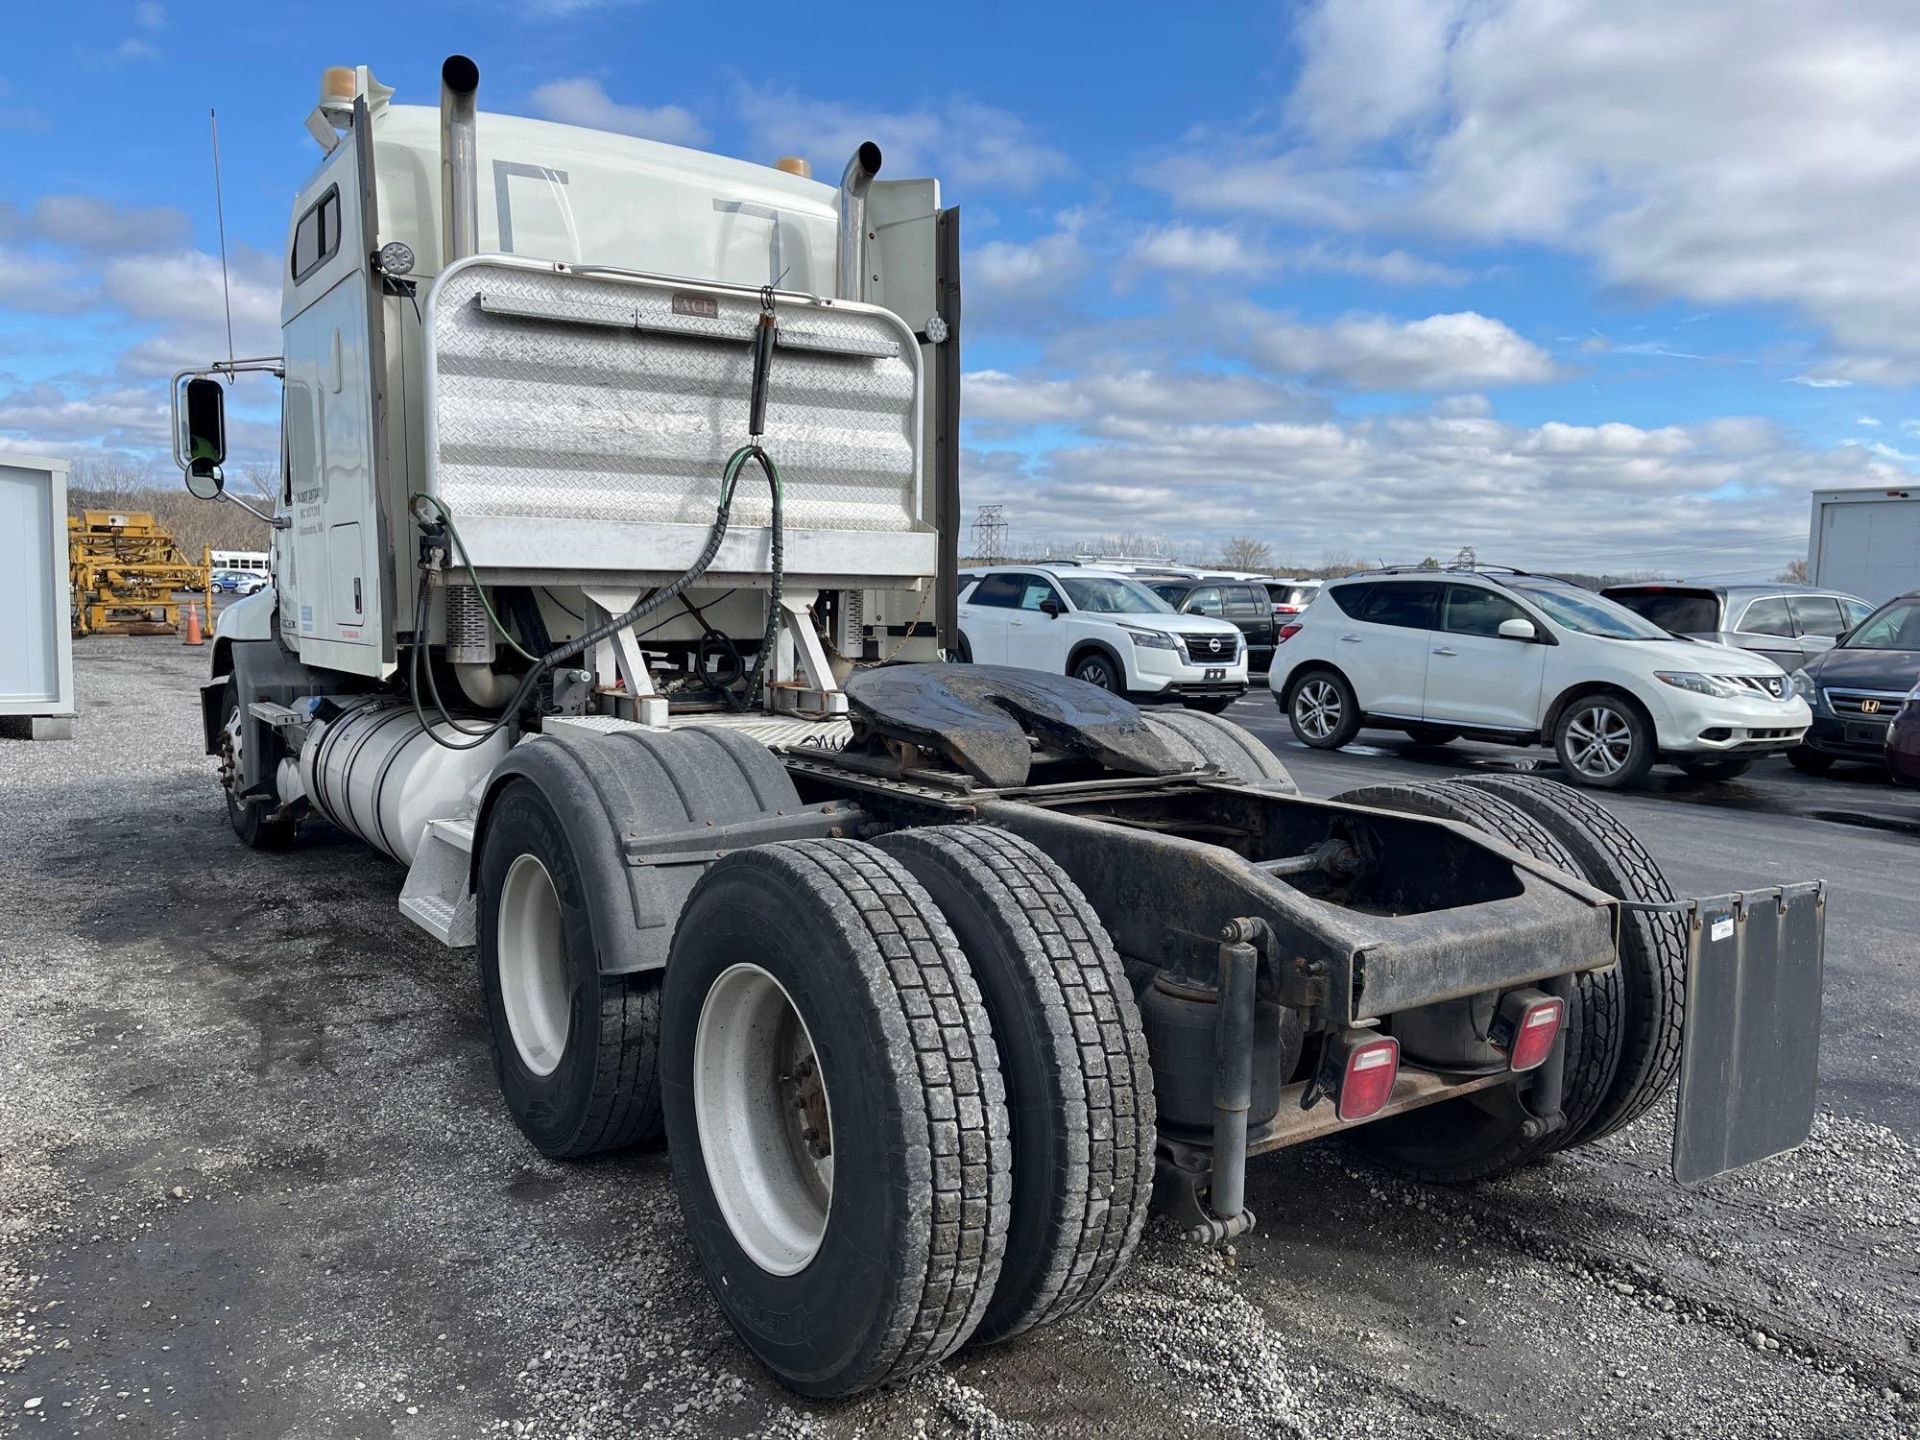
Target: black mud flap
pixel 1750 1042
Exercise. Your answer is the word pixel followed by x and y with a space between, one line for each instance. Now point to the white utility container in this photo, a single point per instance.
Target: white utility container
pixel 1866 542
pixel 36 637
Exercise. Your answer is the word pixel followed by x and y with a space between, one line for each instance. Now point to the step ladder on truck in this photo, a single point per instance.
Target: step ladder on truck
pixel 614 561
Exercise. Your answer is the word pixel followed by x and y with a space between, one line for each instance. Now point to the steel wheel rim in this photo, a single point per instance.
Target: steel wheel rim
pixel 1317 707
pixel 530 940
pixel 1599 742
pixel 760 1106
pixel 1094 673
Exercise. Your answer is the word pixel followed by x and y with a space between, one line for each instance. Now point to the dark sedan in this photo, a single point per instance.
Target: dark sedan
pixel 1856 688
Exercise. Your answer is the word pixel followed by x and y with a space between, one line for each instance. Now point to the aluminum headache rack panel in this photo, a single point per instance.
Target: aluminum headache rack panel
pixel 1750 1040
pixel 578 421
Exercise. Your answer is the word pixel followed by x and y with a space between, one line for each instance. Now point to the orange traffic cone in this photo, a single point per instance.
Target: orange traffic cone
pixel 193 635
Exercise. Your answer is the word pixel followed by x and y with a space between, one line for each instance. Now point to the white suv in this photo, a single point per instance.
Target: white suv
pixel 1528 660
pixel 1102 627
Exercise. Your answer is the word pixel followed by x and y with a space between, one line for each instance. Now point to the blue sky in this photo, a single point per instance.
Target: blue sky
pixel 1578 283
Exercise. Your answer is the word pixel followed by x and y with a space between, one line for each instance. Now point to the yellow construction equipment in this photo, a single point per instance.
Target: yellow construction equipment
pixel 127 572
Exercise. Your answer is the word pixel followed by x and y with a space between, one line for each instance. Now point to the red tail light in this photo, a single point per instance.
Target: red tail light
pixel 1366 1082
pixel 1289 630
pixel 1288 609
pixel 1526 1027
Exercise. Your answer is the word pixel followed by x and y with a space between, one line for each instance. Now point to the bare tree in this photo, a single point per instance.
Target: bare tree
pixel 196 525
pixel 1335 563
pixel 1244 552
pixel 1795 574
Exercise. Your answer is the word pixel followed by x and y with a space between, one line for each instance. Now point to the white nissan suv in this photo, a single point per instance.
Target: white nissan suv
pixel 1102 627
pixel 1528 660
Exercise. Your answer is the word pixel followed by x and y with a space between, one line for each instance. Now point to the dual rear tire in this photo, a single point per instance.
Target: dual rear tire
pixel 904 1086
pixel 985 1106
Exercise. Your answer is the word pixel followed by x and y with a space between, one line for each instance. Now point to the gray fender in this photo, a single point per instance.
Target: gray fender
pixel 645 812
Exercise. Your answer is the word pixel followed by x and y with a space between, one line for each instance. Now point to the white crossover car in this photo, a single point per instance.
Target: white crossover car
pixel 1102 627
pixel 1529 660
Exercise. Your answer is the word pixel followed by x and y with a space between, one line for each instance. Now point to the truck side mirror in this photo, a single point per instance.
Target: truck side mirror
pixel 1050 607
pixel 1518 630
pixel 206 437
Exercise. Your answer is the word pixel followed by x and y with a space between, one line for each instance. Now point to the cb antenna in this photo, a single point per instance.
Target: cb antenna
pixel 220 214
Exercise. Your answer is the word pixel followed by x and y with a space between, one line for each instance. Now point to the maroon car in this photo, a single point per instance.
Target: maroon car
pixel 1903 742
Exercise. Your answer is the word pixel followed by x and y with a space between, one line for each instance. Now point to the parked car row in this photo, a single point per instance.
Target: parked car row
pixel 1707 678
pixel 240 582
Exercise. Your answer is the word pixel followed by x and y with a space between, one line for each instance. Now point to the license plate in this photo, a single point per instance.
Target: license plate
pixel 1218 674
pixel 1866 732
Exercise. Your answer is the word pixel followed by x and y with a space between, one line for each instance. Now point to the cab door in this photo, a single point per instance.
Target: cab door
pixel 340 606
pixel 1477 677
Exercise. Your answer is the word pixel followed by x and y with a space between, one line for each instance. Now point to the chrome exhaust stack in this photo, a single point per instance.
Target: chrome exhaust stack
pixel 850 250
pixel 459 160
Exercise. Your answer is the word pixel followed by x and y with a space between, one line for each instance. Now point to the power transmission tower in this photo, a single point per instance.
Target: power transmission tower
pixel 989 535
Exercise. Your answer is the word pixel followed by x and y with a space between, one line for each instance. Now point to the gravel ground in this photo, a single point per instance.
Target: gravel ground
pixel 255 1179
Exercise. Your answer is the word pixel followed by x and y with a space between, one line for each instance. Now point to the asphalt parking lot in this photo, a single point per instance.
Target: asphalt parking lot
pixel 255 1179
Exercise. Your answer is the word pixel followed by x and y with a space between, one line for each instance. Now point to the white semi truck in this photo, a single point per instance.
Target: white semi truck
pixel 613 574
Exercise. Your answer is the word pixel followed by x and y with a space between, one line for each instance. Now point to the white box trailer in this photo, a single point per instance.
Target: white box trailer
pixel 1865 542
pixel 36 598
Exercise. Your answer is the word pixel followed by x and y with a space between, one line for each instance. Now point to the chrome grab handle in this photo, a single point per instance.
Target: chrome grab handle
pixel 1444 650
pixel 1349 639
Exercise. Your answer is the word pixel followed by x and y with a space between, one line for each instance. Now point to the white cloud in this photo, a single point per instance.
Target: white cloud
pixel 968 145
pixel 1371 352
pixel 1394 267
pixel 1114 402
pixel 1756 154
pixel 1399 486
pixel 582 101
pixel 1868 420
pixel 44 284
pixel 1199 250
pixel 1041 272
pixel 185 286
pixel 88 222
pixel 131 49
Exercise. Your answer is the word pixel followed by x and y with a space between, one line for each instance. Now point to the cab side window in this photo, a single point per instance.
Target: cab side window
pixel 1206 601
pixel 1473 611
pixel 1000 591
pixel 1768 617
pixel 316 238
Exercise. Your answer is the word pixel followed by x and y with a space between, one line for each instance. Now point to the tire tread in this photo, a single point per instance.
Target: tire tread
pixel 1654 959
pixel 1102 1076
pixel 948 1049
